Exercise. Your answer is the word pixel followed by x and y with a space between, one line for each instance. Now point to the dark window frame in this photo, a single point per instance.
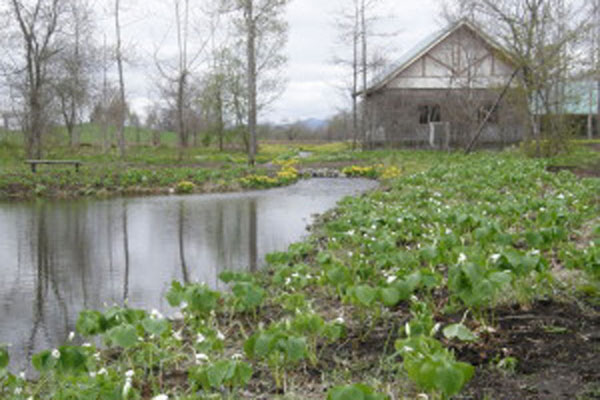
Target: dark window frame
pixel 429 113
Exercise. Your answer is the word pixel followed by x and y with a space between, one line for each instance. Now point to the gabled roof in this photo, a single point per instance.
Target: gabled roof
pixel 426 45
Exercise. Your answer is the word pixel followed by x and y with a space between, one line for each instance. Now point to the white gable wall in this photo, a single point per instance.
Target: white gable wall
pixel 459 61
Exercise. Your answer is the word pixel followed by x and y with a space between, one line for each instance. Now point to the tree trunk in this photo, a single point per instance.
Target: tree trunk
pixel 121 121
pixel 251 60
pixel 364 109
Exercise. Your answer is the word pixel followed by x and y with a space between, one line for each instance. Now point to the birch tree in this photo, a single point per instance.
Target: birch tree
pixel 357 26
pixel 119 59
pixel 262 30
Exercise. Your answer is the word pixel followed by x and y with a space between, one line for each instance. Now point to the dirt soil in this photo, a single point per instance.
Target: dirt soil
pixel 557 348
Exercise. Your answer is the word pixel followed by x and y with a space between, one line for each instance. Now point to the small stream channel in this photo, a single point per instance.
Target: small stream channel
pixel 60 257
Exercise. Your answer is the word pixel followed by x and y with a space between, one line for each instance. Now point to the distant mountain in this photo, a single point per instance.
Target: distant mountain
pixel 310 123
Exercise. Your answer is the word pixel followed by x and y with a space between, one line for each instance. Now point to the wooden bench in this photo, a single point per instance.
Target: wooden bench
pixel 34 163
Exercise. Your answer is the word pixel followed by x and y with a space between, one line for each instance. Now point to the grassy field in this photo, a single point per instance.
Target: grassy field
pixel 467 277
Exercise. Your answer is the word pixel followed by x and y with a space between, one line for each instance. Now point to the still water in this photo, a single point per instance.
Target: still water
pixel 58 258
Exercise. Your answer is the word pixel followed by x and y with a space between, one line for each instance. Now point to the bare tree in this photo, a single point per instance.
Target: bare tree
pixel 177 74
pixel 357 24
pixel 261 27
pixel 542 36
pixel 119 58
pixel 38 30
pixel 76 67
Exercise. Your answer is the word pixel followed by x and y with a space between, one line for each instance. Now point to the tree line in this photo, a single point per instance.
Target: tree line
pixel 224 69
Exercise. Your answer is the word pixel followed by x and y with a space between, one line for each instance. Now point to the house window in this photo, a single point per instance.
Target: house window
pixel 429 113
pixel 483 111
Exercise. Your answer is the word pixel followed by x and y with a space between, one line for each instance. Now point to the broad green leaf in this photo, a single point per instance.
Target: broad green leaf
pixel 175 294
pixel 295 349
pixel 123 335
pixel 460 332
pixel 217 373
pixel 43 361
pixel 243 374
pixel 155 326
pixel 73 360
pixel 390 296
pixel 91 323
pixel 365 295
pixel 346 393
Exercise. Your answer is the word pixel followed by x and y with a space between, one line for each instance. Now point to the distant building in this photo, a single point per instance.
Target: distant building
pixel 440 91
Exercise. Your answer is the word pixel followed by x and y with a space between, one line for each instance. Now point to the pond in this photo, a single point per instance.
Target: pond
pixel 60 257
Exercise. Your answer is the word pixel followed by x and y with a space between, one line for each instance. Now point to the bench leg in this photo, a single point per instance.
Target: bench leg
pixel 33 168
pixel 76 167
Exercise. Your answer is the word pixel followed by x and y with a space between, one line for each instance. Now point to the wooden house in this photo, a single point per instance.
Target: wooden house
pixel 440 91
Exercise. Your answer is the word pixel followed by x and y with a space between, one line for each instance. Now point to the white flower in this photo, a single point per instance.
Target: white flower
pixel 495 257
pixel 350 254
pixel 288 281
pixel 56 354
pixel 86 345
pixel 177 335
pixel 201 357
pixel 407 329
pixel 161 397
pixel 220 336
pixel 155 314
pixel 236 356
pixel 391 279
pixel 126 388
pixel 462 258
pixel 129 373
pixel 93 374
pixel 373 227
pixel 71 336
pixel 18 391
pixel 201 338
pixel 407 349
pixel 435 329
pixel 350 232
pixel 561 196
pixel 535 252
pixel 339 320
pixel 97 356
pixel 183 305
pixel 22 375
pixel 103 371
pixel 448 231
pixel 295 275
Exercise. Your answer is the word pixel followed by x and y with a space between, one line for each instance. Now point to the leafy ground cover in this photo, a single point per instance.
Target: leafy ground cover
pixel 161 170
pixel 477 278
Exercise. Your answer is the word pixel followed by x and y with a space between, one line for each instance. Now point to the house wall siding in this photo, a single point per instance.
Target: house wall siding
pixel 395 117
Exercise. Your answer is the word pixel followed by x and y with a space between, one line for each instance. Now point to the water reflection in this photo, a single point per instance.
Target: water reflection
pixel 58 258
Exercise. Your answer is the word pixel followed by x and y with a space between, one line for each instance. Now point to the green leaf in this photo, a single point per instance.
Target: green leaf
pixel 91 323
pixel 155 326
pixel 73 360
pixel 4 358
pixel 295 348
pixel 346 393
pixel 43 361
pixel 175 294
pixel 242 375
pixel 365 295
pixel 390 296
pixel 460 332
pixel 123 335
pixel 218 372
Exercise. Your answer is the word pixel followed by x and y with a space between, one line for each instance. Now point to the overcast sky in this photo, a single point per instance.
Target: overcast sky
pixel 314 82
